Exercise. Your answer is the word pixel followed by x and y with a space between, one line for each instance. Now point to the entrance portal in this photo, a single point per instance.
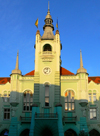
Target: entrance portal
pixel 25 132
pixel 94 132
pixel 4 133
pixel 46 132
pixel 70 132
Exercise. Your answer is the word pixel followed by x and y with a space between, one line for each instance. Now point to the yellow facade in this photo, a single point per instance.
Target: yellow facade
pixel 74 98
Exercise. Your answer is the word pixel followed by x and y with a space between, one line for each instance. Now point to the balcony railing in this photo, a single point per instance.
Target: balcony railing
pixel 47 52
pixel 70 119
pixel 25 119
pixel 46 115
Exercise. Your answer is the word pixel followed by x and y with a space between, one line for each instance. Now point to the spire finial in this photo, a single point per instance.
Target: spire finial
pixel 17 65
pixel 81 61
pixel 48 8
pixel 48 5
pixel 16 70
pixel 81 69
pixel 17 52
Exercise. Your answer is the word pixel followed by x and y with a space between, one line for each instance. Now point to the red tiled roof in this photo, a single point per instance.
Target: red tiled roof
pixel 30 73
pixel 63 71
pixel 94 79
pixel 4 80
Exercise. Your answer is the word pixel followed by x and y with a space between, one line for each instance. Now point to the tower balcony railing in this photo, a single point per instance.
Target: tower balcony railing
pixel 25 119
pixel 70 119
pixel 47 52
pixel 46 116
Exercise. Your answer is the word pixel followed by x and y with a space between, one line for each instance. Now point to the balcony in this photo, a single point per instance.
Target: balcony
pixel 25 119
pixel 46 116
pixel 47 56
pixel 47 52
pixel 69 119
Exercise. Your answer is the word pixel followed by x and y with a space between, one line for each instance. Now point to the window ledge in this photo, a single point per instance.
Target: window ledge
pixel 6 103
pixel 93 119
pixel 26 111
pixel 46 107
pixel 6 120
pixel 69 111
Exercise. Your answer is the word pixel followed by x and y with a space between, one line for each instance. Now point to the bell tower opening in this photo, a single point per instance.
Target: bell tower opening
pixel 47 47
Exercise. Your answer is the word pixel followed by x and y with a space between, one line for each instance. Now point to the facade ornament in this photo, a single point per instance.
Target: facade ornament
pixel 13 110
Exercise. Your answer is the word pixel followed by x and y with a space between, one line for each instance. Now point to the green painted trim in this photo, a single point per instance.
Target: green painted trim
pixel 94 91
pixel 89 91
pixel 6 106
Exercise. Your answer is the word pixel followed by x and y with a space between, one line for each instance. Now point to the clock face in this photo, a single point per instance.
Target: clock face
pixel 46 70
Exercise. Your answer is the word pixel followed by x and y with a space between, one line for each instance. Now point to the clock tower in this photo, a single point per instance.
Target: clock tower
pixel 47 67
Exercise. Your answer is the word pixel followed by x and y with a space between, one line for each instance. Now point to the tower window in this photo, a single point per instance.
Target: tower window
pixel 69 101
pixel 93 113
pixel 7 113
pixel 46 95
pixel 27 101
pixel 6 96
pixel 90 97
pixel 94 97
pixel 47 47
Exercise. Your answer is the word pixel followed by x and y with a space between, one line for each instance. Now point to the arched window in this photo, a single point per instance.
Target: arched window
pixel 25 132
pixel 5 99
pixel 46 95
pixel 5 93
pixel 8 96
pixel 69 101
pixel 94 132
pixel 47 47
pixel 70 132
pixel 8 93
pixel 27 100
pixel 92 96
pixel 4 132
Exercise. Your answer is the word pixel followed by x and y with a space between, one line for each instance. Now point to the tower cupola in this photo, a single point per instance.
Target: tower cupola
pixel 48 21
pixel 48 27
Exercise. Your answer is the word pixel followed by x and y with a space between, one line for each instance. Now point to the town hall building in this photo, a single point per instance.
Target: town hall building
pixel 50 100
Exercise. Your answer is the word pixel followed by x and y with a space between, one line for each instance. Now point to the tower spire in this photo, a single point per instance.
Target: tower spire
pixel 17 62
pixel 48 5
pixel 81 61
pixel 48 9
pixel 81 69
pixel 16 70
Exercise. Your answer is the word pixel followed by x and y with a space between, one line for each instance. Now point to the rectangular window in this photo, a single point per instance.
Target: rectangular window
pixel 93 114
pixel 90 97
pixel 94 97
pixel 6 113
pixel 66 103
pixel 27 101
pixel 46 95
pixel 69 101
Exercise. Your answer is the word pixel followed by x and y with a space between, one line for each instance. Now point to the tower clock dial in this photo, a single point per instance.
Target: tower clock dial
pixel 46 70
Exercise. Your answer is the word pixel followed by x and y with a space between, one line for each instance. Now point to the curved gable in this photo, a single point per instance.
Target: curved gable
pixel 4 80
pixel 94 79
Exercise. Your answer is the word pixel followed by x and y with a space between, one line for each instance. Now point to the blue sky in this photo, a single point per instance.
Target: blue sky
pixel 79 27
